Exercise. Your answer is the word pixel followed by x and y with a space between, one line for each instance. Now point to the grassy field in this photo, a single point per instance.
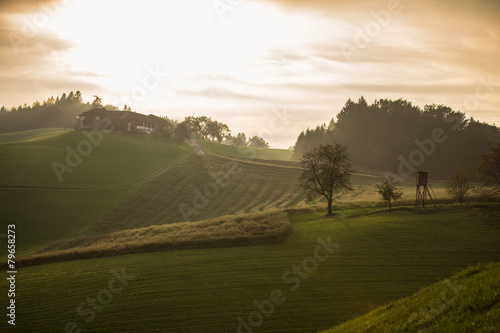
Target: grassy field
pixel 380 257
pixel 118 160
pixel 29 134
pixel 245 152
pixel 203 187
pixel 467 302
pixel 47 210
pixel 98 195
pixel 129 182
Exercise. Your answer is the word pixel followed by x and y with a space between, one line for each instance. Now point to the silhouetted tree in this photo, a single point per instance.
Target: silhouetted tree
pixel 458 185
pixel 308 140
pixel 59 112
pixel 326 170
pixel 181 132
pixel 389 191
pixel 489 168
pixel 222 132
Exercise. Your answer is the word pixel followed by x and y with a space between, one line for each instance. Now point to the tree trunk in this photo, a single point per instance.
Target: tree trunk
pixel 390 205
pixel 330 206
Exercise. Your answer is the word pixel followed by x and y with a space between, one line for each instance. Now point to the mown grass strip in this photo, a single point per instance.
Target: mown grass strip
pixel 227 231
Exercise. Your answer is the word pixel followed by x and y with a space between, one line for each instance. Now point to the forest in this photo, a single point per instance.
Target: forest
pixel 59 112
pixel 398 137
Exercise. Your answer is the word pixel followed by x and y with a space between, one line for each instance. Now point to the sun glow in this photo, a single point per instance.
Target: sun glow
pixel 185 37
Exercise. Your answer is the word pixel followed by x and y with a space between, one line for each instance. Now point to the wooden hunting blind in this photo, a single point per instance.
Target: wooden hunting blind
pixel 422 178
pixel 423 190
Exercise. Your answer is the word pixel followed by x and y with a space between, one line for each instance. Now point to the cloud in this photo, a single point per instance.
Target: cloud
pixel 32 60
pixel 25 6
pixel 348 9
pixel 219 93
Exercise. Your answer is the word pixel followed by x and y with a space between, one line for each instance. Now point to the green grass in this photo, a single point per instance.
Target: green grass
pixel 30 134
pixel 119 160
pixel 102 181
pixel 382 258
pixel 226 186
pixel 246 152
pixel 46 216
pixel 249 186
pixel 467 302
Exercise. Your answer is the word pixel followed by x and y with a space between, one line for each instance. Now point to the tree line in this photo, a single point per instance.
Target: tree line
pixel 62 112
pixel 399 137
pixel 205 128
pixel 59 112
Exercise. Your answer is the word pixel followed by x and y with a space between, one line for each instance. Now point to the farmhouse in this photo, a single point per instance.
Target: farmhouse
pixel 125 121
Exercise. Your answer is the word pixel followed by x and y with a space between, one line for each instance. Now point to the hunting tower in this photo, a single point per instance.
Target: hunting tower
pixel 423 190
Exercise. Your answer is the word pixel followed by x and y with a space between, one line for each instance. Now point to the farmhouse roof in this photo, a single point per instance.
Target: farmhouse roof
pixel 103 113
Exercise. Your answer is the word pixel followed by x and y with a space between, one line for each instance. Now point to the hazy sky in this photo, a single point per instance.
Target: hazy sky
pixel 268 67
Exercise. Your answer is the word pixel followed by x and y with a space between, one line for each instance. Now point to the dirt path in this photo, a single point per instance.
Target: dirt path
pixel 196 146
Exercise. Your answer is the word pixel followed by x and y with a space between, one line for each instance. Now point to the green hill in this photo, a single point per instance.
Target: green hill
pixel 112 187
pixel 47 210
pixel 29 134
pixel 203 187
pixel 127 182
pixel 246 152
pixel 377 257
pixel 467 302
pixel 96 160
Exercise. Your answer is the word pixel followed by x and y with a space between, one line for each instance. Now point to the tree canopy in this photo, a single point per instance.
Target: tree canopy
pixel 257 142
pixel 458 185
pixel 205 128
pixel 489 167
pixel 389 191
pixel 59 112
pixel 386 133
pixel 326 170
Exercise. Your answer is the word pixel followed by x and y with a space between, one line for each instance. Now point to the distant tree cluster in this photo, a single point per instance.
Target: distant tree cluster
pixel 391 133
pixel 240 140
pixel 205 128
pixel 59 112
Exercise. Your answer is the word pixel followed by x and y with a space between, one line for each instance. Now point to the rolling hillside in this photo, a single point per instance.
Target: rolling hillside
pixel 246 152
pixel 467 302
pixel 47 210
pixel 204 187
pixel 129 182
pixel 112 188
pixel 377 258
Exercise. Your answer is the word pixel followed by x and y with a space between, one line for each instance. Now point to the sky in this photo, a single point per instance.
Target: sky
pixel 265 67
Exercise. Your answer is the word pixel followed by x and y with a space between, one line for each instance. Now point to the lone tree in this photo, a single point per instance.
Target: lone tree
pixel 489 168
pixel 389 191
pixel 326 170
pixel 458 185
